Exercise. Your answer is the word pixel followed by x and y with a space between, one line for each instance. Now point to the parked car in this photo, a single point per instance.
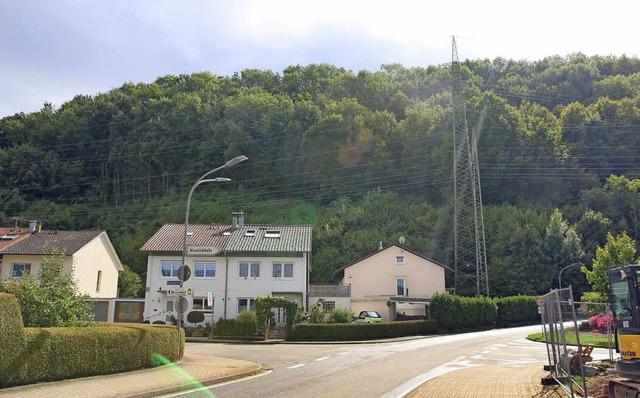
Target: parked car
pixel 368 317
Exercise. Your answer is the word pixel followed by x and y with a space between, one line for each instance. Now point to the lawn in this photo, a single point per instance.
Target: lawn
pixel 597 339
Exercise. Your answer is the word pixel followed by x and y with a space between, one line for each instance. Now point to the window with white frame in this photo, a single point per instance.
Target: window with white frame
pixel 328 306
pixel 204 269
pixel 399 259
pixel 170 268
pixel 282 270
pixel 249 270
pixel 201 303
pixel 400 289
pixel 246 304
pixel 20 270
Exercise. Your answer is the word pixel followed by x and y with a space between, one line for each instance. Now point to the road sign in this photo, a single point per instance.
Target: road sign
pixel 210 299
pixel 183 304
pixel 204 251
pixel 184 273
pixel 176 291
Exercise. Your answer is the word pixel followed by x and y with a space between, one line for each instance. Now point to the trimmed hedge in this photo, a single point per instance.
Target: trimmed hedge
pixel 517 310
pixel 456 312
pixel 236 327
pixel 360 331
pixel 51 354
pixel 11 336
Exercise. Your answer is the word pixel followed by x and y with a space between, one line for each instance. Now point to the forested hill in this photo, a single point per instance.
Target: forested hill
pixel 363 157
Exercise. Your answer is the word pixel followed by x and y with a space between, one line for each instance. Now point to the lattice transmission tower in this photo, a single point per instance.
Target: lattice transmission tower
pixel 471 276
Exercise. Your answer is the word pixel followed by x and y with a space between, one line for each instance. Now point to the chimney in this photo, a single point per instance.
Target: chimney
pixel 34 226
pixel 15 221
pixel 380 247
pixel 238 219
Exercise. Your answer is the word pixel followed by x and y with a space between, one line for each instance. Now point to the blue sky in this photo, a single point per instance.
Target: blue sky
pixel 54 50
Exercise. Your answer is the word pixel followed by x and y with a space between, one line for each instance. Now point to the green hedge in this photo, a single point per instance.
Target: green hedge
pixel 455 312
pixel 236 327
pixel 51 354
pixel 517 310
pixel 11 336
pixel 360 331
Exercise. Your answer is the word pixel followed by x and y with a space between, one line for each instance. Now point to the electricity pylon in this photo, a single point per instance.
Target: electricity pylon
pixel 471 276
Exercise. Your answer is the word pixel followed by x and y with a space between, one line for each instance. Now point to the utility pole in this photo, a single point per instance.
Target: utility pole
pixel 471 276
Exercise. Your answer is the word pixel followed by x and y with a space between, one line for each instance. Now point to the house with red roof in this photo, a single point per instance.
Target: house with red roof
pixel 230 264
pixel 89 257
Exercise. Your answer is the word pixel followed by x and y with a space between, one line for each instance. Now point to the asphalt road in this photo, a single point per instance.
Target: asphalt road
pixel 389 369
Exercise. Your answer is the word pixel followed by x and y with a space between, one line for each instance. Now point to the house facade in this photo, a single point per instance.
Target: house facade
pixel 394 281
pixel 89 257
pixel 230 266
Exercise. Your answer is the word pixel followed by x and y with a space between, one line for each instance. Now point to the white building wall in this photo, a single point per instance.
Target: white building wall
pixel 93 257
pixel 160 306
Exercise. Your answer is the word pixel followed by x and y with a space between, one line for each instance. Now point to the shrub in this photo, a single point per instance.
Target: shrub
pixel 11 335
pixel 341 315
pixel 517 310
pixel 454 312
pixel 601 321
pixel 361 331
pixel 244 325
pixel 195 317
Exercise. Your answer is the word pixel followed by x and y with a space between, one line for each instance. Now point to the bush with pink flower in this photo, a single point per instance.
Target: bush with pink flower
pixel 601 321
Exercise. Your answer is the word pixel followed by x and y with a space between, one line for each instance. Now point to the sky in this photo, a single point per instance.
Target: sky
pixel 51 51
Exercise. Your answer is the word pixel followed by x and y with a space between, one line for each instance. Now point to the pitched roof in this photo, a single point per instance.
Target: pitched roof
pixel 42 243
pixel 170 237
pixel 13 236
pixel 447 268
pixel 249 238
pixel 271 238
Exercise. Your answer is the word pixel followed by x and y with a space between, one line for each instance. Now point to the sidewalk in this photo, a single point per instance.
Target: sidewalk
pixel 193 371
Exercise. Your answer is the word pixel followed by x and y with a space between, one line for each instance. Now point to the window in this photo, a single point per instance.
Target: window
pixel 250 232
pixel 283 270
pixel 246 304
pixel 272 234
pixel 328 306
pixel 400 290
pixel 247 270
pixel 99 281
pixel 399 259
pixel 170 268
pixel 205 269
pixel 20 270
pixel 201 303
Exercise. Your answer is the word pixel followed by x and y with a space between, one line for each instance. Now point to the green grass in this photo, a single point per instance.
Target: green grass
pixel 597 339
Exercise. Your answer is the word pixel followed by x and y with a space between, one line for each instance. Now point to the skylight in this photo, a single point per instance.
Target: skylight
pixel 272 234
pixel 10 236
pixel 250 232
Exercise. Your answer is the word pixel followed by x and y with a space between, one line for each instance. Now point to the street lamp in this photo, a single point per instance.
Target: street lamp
pixel 201 180
pixel 560 274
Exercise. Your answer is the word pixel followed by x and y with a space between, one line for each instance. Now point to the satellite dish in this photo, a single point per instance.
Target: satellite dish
pixel 401 240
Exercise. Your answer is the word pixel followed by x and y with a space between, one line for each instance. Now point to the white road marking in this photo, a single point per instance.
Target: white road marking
pixel 297 366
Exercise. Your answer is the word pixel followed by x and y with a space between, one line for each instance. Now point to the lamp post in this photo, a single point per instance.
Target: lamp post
pixel 560 274
pixel 203 179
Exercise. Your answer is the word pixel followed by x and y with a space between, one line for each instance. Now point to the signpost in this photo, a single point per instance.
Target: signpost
pixel 210 304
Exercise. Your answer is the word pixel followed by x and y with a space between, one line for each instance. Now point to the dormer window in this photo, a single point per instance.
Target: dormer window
pixel 250 232
pixel 272 234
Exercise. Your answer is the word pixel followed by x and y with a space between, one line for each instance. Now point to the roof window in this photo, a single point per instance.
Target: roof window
pixel 250 232
pixel 226 233
pixel 272 234
pixel 10 236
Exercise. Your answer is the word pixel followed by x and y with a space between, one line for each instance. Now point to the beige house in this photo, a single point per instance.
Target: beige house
pixel 90 258
pixel 393 281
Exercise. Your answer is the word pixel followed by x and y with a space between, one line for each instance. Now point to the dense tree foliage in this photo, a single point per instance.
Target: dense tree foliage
pixel 52 298
pixel 364 157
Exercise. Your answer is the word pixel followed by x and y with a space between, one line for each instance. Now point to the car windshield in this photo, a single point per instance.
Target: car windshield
pixel 370 314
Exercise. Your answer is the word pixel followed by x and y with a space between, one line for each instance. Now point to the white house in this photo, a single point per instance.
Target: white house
pixel 231 264
pixel 394 281
pixel 89 257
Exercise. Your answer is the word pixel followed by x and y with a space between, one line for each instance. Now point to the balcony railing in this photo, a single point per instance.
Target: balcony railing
pixel 329 290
